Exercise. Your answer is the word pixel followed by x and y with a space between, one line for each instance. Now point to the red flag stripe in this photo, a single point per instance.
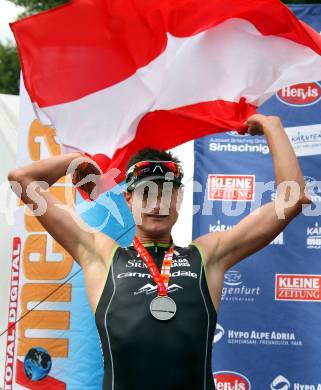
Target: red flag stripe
pixel 96 44
pixel 178 127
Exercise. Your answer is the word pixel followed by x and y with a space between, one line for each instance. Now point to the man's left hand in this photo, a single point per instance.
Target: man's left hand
pixel 258 124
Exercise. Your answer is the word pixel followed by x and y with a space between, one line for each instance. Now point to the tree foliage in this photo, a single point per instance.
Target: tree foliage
pixel 301 1
pixel 35 6
pixel 9 62
pixel 9 68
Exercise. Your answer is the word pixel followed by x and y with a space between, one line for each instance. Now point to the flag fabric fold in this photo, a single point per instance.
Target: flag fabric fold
pixel 115 76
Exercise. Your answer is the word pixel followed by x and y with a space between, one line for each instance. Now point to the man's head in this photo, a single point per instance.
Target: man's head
pixel 154 190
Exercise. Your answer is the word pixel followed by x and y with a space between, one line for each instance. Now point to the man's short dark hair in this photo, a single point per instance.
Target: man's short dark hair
pixel 152 155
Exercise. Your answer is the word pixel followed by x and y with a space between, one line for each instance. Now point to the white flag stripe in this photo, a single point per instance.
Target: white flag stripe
pixel 227 62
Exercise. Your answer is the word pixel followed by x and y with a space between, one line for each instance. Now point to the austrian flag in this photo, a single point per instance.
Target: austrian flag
pixel 114 76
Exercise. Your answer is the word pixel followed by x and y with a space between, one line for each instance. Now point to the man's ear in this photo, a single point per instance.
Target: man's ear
pixel 180 196
pixel 128 198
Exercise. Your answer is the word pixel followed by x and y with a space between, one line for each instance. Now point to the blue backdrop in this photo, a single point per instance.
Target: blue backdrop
pixel 268 334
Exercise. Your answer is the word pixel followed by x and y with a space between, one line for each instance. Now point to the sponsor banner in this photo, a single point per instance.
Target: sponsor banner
pixel 262 337
pixel 52 341
pixel 270 303
pixel 12 315
pixel 236 290
pixel 306 140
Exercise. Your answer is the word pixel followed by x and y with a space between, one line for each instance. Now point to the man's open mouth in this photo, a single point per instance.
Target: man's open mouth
pixel 160 216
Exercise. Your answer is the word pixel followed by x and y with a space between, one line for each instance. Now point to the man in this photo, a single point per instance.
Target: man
pixel 156 318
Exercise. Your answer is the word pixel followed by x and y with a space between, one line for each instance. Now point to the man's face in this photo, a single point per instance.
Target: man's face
pixel 155 206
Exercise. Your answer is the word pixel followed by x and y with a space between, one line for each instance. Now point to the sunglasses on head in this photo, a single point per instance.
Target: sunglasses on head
pixel 154 168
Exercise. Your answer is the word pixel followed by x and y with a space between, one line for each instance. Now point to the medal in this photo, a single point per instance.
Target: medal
pixel 162 307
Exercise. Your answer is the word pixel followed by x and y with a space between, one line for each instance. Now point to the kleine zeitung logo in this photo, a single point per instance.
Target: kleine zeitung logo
pixel 298 95
pixel 298 287
pixel 231 187
pixel 230 380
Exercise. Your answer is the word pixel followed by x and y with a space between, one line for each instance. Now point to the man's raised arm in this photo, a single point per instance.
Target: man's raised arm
pixel 31 183
pixel 225 249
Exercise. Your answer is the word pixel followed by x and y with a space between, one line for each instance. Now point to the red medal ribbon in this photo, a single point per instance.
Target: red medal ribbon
pixel 161 279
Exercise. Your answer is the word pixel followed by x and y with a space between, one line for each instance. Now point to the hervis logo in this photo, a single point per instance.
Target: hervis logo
pixel 300 94
pixel 229 380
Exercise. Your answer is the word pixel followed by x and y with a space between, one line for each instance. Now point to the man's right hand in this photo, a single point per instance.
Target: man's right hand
pixel 87 168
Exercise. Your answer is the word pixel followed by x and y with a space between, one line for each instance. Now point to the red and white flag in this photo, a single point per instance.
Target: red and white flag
pixel 114 76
